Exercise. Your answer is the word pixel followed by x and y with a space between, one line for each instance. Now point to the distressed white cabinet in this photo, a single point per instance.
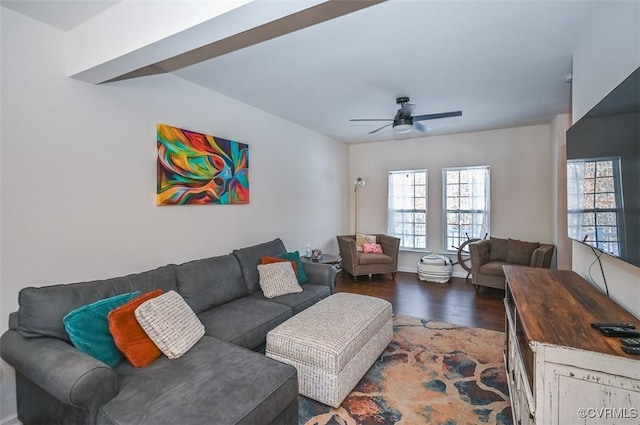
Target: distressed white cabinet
pixel 560 370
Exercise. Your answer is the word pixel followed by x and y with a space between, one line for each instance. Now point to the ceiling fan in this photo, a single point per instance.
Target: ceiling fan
pixel 404 122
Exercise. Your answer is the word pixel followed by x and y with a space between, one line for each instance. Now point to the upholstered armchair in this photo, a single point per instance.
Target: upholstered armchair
pixel 489 255
pixel 358 263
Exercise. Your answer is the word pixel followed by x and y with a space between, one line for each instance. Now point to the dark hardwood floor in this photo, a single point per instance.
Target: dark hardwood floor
pixel 455 302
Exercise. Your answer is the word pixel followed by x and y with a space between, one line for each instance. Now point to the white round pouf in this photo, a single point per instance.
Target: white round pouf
pixel 435 268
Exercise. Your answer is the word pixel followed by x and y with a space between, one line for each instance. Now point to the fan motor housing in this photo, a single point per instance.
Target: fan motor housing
pixel 402 120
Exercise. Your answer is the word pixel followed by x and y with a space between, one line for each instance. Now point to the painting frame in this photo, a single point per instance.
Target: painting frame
pixel 199 169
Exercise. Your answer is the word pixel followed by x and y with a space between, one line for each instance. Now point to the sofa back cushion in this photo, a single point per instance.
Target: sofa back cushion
pixel 41 310
pixel 498 249
pixel 251 256
pixel 520 252
pixel 210 282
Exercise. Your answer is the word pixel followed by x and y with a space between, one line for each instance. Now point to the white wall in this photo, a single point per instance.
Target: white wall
pixel 521 195
pixel 78 175
pixel 607 53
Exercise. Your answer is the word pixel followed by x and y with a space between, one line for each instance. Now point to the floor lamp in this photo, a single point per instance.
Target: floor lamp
pixel 359 183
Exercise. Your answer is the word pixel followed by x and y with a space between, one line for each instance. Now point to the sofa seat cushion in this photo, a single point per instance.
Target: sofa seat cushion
pixel 310 295
pixel 210 282
pixel 493 268
pixel 244 322
pixel 374 258
pixel 215 382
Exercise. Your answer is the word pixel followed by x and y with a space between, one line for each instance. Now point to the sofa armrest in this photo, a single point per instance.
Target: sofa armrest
pixel 321 274
pixel 348 252
pixel 542 255
pixel 390 246
pixel 72 377
pixel 479 252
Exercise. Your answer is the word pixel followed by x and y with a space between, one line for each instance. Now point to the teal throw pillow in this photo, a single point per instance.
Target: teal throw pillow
pixel 295 256
pixel 88 328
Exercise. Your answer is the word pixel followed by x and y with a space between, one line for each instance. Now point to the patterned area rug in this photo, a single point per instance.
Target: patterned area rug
pixel 431 373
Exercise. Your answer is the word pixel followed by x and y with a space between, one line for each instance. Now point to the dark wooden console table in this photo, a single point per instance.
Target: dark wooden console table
pixel 560 370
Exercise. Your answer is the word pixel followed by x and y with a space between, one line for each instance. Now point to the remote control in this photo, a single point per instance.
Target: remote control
pixel 613 325
pixel 631 350
pixel 630 342
pixel 625 332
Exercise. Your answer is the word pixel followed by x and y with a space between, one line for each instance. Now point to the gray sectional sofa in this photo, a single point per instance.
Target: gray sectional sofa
pixel 223 379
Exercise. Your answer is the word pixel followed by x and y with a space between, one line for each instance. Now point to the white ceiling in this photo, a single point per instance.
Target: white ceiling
pixel 503 63
pixel 64 15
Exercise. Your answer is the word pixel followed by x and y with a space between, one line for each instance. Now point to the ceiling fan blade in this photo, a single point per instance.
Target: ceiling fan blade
pixel 378 129
pixel 370 119
pixel 436 116
pixel 419 126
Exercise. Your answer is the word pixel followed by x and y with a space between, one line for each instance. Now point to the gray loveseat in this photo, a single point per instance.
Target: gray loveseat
pixel 222 379
pixel 489 255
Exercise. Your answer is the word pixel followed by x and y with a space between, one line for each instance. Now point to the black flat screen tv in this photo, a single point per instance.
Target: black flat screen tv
pixel 603 174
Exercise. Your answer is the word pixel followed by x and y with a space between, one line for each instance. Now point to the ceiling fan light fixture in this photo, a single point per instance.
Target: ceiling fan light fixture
pixel 402 128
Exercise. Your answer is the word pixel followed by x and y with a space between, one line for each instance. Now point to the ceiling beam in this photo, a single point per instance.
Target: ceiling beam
pixel 273 25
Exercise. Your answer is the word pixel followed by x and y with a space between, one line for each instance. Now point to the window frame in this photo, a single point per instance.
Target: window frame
pixel 484 226
pixel 391 210
pixel 596 239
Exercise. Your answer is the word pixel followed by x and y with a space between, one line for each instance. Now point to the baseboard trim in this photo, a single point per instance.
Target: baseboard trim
pixel 11 420
pixel 407 270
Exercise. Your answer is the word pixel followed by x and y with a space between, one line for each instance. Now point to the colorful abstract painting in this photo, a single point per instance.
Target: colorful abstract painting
pixel 195 168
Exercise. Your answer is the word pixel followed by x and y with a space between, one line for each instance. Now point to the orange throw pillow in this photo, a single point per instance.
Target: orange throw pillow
pixel 269 260
pixel 130 338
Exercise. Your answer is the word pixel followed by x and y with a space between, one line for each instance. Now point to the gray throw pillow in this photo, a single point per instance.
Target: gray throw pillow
pixel 520 252
pixel 498 250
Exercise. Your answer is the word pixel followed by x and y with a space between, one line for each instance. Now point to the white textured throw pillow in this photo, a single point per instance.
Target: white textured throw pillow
pixel 170 323
pixel 362 239
pixel 278 279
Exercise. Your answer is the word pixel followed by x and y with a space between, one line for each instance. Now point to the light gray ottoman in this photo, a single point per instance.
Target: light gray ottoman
pixel 333 343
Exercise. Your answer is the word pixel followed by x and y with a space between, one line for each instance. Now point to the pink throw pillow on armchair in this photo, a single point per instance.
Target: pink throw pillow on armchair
pixel 372 248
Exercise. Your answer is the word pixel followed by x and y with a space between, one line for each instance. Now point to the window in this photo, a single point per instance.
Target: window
pixel 466 204
pixel 407 216
pixel 594 210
